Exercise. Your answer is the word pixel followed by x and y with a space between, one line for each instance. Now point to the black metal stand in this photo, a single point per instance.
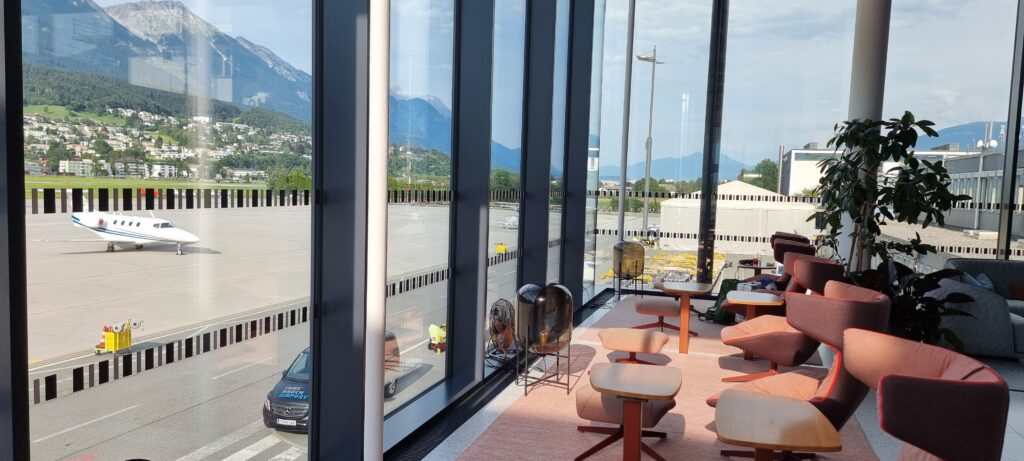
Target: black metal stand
pixel 523 368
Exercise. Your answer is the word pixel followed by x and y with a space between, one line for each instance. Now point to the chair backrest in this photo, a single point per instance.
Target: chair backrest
pixel 782 247
pixel 824 318
pixel 787 236
pixel 920 386
pixel 812 272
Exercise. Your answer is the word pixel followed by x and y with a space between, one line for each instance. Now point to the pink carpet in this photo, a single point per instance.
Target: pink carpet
pixel 543 424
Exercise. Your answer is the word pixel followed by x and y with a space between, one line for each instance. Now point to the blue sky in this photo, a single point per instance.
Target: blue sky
pixel 787 69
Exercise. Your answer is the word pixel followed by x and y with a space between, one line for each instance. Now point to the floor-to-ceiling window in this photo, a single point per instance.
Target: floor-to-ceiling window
pixel 506 170
pixel 419 191
pixel 965 92
pixel 787 83
pixel 594 156
pixel 556 187
pixel 167 168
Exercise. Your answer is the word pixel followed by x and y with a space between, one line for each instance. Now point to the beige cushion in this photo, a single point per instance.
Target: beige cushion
pixel 633 340
pixel 657 305
pixel 606 408
pixel 765 324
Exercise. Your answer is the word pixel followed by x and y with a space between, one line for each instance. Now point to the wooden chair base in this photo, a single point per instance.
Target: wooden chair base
pixel 776 456
pixel 662 325
pixel 773 369
pixel 632 359
pixel 614 434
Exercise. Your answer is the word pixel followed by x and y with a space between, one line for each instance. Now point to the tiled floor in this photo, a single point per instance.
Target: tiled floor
pixel 885 446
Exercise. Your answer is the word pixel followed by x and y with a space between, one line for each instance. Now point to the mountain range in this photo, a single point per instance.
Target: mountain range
pixel 164 46
pixel 684 168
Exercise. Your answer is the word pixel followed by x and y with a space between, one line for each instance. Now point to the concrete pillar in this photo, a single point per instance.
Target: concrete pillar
pixel 867 80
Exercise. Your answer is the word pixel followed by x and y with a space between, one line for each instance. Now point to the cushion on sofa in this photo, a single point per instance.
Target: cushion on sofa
pixel 1003 272
pixel 988 331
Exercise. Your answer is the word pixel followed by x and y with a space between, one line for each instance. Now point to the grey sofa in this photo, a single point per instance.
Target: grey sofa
pixel 997 328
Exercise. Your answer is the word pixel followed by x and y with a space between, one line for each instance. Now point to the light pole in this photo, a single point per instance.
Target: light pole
pixel 653 59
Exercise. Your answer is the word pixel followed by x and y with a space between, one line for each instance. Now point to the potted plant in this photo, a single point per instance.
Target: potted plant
pixel 914 313
pixel 856 192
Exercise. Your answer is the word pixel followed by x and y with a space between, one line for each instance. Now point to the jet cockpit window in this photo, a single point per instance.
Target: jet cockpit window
pixel 166 225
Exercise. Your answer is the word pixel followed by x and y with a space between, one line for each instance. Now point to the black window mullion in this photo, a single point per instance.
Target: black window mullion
pixel 712 141
pixel 1009 193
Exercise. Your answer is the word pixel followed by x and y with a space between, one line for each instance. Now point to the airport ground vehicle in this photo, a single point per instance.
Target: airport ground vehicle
pixel 286 407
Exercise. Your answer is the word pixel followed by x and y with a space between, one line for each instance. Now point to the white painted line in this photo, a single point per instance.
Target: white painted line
pixel 251 451
pixel 414 346
pixel 48 365
pixel 101 418
pixel 223 442
pixel 289 454
pixel 241 368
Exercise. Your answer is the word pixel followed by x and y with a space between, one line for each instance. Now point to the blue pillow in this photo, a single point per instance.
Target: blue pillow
pixel 981 281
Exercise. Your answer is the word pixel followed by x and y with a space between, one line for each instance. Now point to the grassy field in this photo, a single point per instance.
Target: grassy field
pixel 59 112
pixel 71 182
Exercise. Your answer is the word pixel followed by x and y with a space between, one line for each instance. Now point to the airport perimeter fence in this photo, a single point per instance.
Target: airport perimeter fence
pixel 75 200
pixel 119 366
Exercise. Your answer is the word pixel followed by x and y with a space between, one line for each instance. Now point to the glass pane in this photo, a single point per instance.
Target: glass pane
pixel 672 116
pixel 768 70
pixel 419 183
pixel 167 160
pixel 558 117
pixel 506 156
pixel 966 96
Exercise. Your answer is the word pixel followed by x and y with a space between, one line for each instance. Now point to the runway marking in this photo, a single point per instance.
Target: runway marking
pixel 241 368
pixel 101 418
pixel 414 346
pixel 289 454
pixel 251 451
pixel 223 442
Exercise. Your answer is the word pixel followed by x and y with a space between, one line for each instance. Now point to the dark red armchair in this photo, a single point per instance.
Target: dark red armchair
pixel 944 405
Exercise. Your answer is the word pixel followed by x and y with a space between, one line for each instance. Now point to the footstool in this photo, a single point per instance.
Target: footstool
pixel 633 341
pixel 592 405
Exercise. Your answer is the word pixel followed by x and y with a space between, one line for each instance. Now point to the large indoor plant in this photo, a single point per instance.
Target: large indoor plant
pixel 916 311
pixel 856 192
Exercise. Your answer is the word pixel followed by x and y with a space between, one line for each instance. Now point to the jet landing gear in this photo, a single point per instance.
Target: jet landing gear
pixel 138 247
pixel 179 253
pixel 110 248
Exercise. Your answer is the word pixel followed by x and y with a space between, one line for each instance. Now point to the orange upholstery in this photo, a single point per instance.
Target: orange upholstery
pixel 920 389
pixel 606 408
pixel 771 337
pixel 824 318
pixel 633 340
pixel 656 305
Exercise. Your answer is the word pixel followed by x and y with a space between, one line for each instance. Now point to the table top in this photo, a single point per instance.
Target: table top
pixel 757 266
pixel 754 298
pixel 690 288
pixel 635 381
pixel 771 422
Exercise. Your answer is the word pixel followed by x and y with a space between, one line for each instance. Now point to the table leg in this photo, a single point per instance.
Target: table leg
pixel 631 429
pixel 751 312
pixel 757 271
pixel 684 323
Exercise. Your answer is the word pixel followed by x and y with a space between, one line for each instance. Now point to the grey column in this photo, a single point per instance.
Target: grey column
pixel 574 226
pixel 712 141
pixel 339 236
pixel 471 161
pixel 536 165
pixel 867 80
pixel 14 438
pixel 1012 144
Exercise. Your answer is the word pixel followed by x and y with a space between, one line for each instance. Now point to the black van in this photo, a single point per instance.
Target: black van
pixel 287 405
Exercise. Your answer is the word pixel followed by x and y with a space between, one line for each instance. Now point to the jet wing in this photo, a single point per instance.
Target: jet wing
pixel 83 241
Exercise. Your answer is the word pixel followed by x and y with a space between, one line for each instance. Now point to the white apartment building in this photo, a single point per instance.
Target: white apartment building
pixel 161 170
pixel 75 167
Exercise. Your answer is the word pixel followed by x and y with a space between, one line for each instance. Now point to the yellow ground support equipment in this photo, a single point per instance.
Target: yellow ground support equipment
pixel 500 248
pixel 117 337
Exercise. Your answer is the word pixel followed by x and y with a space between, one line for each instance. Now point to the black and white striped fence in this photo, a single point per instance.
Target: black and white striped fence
pixel 122 366
pixel 130 199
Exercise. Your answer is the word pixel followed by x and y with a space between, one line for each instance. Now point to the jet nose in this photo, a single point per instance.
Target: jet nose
pixel 188 237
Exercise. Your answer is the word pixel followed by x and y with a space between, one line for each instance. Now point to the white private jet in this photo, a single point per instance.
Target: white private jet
pixel 118 229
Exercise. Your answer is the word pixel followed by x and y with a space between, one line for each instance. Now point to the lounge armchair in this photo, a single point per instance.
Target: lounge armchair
pixel 824 318
pixel 771 336
pixel 944 405
pixel 779 249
